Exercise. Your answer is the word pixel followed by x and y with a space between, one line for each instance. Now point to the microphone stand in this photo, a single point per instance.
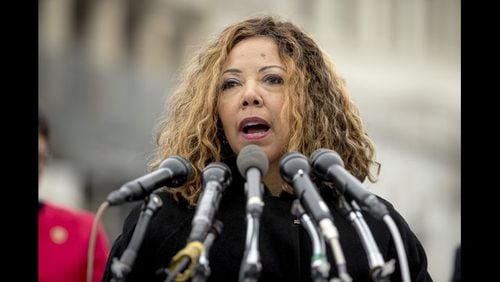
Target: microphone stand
pixel 120 268
pixel 183 262
pixel 379 270
pixel 320 267
pixel 250 265
pixel 400 249
pixel 202 270
pixel 328 229
pixel 216 177
pixel 192 261
pixel 380 212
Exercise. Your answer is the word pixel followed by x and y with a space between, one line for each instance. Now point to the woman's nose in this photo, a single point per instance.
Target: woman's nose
pixel 251 96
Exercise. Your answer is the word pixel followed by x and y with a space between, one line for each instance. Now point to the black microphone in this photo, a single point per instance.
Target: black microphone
pixel 295 169
pixel 215 178
pixel 329 166
pixel 253 164
pixel 173 172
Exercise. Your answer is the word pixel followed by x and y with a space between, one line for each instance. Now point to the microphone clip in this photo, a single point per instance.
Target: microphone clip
pixel 192 251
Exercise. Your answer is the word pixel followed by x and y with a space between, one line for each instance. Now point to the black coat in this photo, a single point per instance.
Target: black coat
pixel 284 245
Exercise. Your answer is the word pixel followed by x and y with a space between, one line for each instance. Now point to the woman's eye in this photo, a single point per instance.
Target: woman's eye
pixel 230 83
pixel 274 79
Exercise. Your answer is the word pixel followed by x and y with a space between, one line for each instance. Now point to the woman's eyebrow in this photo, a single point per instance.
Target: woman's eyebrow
pixel 232 70
pixel 271 66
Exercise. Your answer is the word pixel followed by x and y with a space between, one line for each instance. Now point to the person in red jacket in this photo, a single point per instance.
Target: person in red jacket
pixel 64 233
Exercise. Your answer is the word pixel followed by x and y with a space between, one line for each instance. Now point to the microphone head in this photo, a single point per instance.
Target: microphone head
pixel 219 172
pixel 180 167
pixel 323 159
pixel 291 163
pixel 252 156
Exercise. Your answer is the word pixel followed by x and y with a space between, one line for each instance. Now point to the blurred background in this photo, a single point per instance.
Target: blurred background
pixel 106 67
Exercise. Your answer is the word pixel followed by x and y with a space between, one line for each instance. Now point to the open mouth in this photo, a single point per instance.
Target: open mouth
pixel 254 125
pixel 255 128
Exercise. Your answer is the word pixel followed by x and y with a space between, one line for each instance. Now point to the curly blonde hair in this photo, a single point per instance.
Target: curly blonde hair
pixel 316 103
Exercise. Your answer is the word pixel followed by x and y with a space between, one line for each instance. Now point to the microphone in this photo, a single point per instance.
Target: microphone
pixel 121 267
pixel 320 267
pixel 173 172
pixel 329 166
pixel 253 164
pixel 215 178
pixel 295 169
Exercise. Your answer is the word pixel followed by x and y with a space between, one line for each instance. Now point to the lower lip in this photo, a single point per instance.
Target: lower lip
pixel 255 136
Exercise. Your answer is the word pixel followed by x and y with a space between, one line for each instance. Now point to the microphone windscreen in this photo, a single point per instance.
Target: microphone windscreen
pixel 180 167
pixel 326 156
pixel 323 159
pixel 252 156
pixel 291 163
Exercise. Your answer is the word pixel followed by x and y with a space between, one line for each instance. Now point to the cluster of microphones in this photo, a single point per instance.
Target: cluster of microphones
pixel 296 169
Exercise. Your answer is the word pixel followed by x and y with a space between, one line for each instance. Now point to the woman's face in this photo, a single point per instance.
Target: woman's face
pixel 252 95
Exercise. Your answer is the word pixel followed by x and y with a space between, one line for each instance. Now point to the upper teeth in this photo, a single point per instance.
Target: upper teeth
pixel 251 124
